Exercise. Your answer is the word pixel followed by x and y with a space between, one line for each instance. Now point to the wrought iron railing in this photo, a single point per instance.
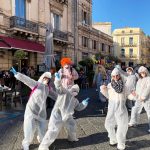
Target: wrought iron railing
pixel 23 24
pixel 60 35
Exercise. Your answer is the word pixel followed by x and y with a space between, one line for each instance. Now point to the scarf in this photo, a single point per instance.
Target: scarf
pixel 117 85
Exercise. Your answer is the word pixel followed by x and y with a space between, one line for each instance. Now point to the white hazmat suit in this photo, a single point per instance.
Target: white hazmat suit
pixel 142 98
pixel 62 114
pixel 35 113
pixel 117 114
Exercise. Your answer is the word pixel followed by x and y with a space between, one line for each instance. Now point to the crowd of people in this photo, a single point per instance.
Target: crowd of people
pixel 121 89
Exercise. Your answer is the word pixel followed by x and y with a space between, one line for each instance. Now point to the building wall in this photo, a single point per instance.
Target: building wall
pixel 103 26
pixel 84 28
pixel 138 46
pixel 72 25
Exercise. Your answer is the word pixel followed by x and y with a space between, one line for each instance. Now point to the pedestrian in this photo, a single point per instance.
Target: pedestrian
pixel 31 72
pixel 117 114
pixel 62 113
pixel 6 77
pixel 99 79
pixel 131 84
pixel 82 77
pixel 35 112
pixel 142 96
pixel 67 72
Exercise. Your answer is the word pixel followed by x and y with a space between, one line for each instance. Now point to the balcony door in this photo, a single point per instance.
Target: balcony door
pixel 20 8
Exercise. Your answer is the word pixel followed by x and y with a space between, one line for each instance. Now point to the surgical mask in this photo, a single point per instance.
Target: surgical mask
pixel 143 75
pixel 74 93
pixel 45 82
pixel 129 73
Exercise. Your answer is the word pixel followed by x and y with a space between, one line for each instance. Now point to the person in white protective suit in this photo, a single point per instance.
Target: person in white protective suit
pixel 35 112
pixel 117 112
pixel 131 84
pixel 62 113
pixel 142 96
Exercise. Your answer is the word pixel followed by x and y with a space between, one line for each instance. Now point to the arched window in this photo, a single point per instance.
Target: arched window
pixel 20 9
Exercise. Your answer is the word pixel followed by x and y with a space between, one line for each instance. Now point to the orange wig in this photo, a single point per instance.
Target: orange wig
pixel 65 61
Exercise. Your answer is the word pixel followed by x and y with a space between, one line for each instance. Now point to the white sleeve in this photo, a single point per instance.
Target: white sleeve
pixel 105 92
pixel 79 106
pixel 26 80
pixel 59 87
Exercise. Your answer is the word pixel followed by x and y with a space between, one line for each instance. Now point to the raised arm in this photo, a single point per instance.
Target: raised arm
pixel 23 78
pixel 58 84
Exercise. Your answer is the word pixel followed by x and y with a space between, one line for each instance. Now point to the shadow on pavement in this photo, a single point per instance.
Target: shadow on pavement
pixel 136 145
pixel 138 131
pixel 84 141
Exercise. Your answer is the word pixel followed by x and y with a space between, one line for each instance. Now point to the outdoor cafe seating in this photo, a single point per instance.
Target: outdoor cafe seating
pixel 8 95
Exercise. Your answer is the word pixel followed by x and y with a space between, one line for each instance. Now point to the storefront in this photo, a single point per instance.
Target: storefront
pixel 8 45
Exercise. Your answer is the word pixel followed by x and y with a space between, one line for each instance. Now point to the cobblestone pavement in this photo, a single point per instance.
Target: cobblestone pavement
pixel 91 132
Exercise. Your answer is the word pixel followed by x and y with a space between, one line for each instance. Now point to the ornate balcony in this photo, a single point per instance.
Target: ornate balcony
pixel 59 35
pixel 17 22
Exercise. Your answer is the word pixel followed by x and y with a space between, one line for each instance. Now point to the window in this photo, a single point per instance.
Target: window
pixel 20 9
pixel 56 21
pixel 109 49
pixel 85 17
pixel 123 31
pixel 84 56
pixel 122 52
pixel 131 31
pixel 122 40
pixel 103 47
pixel 131 41
pixel 94 44
pixel 84 41
pixel 131 52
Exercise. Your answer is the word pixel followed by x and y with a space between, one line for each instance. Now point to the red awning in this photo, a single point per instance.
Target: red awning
pixel 22 44
pixel 4 45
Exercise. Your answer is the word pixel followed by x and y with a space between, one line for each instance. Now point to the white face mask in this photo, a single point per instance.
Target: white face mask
pixel 45 82
pixel 74 93
pixel 129 73
pixel 143 75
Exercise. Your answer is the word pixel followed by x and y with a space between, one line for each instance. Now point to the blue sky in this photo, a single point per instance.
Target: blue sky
pixel 123 13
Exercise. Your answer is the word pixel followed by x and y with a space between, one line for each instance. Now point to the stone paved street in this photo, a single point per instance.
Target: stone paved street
pixel 91 132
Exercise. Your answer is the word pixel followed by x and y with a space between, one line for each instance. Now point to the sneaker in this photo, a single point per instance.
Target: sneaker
pixel 25 147
pixel 132 125
pixel 113 143
pixel 73 140
pixel 149 130
pixel 41 148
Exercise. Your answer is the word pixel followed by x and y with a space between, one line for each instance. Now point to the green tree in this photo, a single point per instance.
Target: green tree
pixel 18 56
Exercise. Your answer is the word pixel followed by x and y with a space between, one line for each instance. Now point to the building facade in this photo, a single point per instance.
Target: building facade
pixel 105 27
pixel 88 40
pixel 23 26
pixel 131 46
